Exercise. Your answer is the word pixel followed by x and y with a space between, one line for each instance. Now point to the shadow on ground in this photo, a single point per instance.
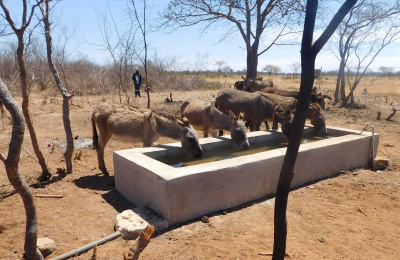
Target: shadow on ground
pixel 105 183
pixel 96 182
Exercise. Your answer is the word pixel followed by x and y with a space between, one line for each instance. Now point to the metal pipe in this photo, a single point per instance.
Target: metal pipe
pixel 373 147
pixel 87 247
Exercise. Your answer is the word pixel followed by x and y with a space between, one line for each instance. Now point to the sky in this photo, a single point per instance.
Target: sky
pixel 185 45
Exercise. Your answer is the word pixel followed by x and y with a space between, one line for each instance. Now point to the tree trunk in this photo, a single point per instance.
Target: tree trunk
pixel 342 87
pixel 252 63
pixel 340 79
pixel 309 51
pixel 69 150
pixel 25 109
pixel 11 165
pixel 287 170
pixel 139 244
pixel 66 96
pixel 351 94
pixel 145 78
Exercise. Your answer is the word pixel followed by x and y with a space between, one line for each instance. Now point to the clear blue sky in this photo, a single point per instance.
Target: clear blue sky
pixel 186 43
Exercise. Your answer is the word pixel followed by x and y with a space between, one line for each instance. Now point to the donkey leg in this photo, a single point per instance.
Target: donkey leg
pixel 275 125
pixel 257 125
pixel 147 139
pixel 250 125
pixel 104 137
pixel 205 133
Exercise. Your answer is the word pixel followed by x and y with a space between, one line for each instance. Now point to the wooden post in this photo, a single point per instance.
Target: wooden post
pixel 392 114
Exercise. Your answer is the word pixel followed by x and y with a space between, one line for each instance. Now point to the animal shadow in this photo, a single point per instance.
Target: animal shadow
pixel 107 184
pixel 96 182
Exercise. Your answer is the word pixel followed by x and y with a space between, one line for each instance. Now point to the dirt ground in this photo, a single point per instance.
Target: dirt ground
pixel 354 215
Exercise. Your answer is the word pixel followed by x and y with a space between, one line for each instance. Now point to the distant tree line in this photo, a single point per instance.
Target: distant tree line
pixel 82 76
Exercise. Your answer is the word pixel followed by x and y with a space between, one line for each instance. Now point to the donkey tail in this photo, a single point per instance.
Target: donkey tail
pixel 95 136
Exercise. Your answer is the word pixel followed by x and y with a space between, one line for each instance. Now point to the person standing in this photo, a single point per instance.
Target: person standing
pixel 137 81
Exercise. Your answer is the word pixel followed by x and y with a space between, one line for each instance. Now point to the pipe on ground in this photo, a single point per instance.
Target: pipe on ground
pixel 87 247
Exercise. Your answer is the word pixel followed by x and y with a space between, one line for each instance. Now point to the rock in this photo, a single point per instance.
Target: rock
pixel 205 219
pixel 46 246
pixel 131 222
pixel 381 163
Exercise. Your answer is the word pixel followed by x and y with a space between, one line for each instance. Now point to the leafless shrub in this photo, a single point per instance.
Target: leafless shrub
pixel 85 77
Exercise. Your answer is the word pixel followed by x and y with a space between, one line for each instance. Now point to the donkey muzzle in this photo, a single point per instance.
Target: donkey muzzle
pixel 244 145
pixel 198 154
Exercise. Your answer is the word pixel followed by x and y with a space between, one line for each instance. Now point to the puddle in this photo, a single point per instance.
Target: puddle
pixel 79 143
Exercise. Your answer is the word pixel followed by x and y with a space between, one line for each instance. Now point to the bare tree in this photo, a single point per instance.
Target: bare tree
pixel 386 70
pixel 220 63
pixel 369 27
pixel 295 68
pixel 121 46
pixel 251 18
pixel 16 180
pixel 66 96
pixel 62 53
pixel 201 62
pixel 19 32
pixel 309 52
pixel 141 20
pixel 226 69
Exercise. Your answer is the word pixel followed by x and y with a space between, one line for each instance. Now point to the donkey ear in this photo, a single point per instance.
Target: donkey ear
pixel 314 106
pixel 184 121
pixel 314 90
pixel 232 116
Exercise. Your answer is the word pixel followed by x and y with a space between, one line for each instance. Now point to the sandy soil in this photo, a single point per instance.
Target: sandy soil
pixel 352 216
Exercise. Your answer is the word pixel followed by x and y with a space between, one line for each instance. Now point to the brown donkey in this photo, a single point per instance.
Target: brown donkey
pixel 315 112
pixel 255 107
pixel 205 117
pixel 134 125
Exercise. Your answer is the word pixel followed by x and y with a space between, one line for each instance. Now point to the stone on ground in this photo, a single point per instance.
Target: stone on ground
pixel 131 222
pixel 381 163
pixel 46 246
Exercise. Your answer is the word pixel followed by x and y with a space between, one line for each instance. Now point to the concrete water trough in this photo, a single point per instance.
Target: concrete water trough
pixel 184 193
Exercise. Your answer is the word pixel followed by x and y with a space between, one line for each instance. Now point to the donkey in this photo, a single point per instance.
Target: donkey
pixel 204 116
pixel 315 112
pixel 317 116
pixel 139 125
pixel 253 85
pixel 315 96
pixel 256 108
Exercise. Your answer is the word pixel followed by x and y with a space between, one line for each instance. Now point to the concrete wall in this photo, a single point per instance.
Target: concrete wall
pixel 181 194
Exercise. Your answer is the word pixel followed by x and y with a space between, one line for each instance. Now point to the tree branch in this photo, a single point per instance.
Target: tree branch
pixel 334 23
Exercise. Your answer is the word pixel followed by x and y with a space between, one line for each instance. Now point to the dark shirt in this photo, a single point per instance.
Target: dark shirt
pixel 137 78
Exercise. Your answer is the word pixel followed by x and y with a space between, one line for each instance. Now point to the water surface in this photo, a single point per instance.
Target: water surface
pixel 233 151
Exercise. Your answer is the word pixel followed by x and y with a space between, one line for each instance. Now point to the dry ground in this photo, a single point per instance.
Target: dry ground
pixel 352 216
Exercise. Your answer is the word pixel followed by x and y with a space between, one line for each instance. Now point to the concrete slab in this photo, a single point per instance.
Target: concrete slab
pixel 181 194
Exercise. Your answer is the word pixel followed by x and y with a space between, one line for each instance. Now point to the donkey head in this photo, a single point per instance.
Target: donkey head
pixel 320 99
pixel 285 118
pixel 238 132
pixel 190 138
pixel 318 118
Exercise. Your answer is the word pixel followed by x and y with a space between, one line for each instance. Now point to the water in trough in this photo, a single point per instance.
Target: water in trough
pixel 233 151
